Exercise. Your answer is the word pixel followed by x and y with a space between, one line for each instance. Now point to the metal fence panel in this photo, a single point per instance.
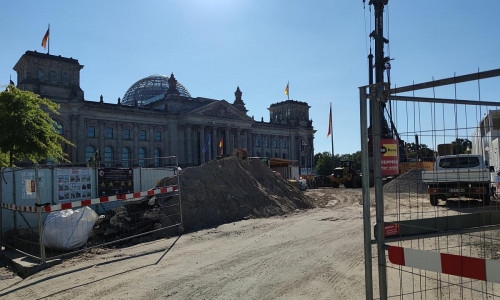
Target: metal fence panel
pixel 429 250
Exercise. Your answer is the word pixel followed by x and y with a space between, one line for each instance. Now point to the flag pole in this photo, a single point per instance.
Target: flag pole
pixel 288 92
pixel 331 128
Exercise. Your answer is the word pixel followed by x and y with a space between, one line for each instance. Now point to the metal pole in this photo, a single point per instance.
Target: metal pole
pixel 179 192
pixel 365 171
pixel 379 196
pixel 331 129
pixel 40 221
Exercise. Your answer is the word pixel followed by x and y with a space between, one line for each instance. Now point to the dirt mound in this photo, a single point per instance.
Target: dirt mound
pixel 408 182
pixel 231 189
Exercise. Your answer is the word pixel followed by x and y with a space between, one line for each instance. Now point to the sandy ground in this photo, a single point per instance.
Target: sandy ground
pixel 309 254
pixel 316 253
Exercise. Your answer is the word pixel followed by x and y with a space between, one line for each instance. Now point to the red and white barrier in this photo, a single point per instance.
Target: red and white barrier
pixel 87 202
pixel 464 266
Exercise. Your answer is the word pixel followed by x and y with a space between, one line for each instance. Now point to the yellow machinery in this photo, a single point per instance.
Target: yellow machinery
pixel 345 174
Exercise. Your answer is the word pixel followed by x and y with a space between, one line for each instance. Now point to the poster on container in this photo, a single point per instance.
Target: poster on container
pixel 73 184
pixel 390 157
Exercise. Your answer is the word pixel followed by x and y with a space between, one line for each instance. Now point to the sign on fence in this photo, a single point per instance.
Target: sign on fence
pixel 115 181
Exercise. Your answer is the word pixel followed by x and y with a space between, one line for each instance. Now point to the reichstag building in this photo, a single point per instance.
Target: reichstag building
pixel 158 117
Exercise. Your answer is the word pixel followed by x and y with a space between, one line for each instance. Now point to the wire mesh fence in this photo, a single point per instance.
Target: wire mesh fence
pixel 440 221
pixel 52 211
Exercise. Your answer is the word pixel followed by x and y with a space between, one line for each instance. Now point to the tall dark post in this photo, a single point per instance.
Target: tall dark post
pixel 379 128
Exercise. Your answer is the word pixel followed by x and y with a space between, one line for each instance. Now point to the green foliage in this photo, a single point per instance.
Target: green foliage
pixel 420 151
pixel 324 163
pixel 461 146
pixel 26 129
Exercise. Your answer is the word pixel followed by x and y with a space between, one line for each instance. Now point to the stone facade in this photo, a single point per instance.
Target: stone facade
pixel 174 125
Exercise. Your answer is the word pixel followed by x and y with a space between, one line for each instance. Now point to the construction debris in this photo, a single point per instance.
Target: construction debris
pixel 231 189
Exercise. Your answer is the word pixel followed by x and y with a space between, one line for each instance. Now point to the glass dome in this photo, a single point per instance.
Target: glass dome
pixel 149 90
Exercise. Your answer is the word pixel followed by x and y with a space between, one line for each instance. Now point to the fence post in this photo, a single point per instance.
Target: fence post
pixel 179 192
pixel 40 219
pixel 365 171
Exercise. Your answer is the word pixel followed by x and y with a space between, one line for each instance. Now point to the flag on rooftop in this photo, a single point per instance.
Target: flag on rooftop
pixel 45 38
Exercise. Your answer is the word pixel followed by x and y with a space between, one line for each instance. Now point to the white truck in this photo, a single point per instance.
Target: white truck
pixel 458 176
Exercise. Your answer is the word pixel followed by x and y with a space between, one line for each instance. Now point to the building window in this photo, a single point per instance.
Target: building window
pixel 108 156
pixel 283 144
pixel 142 156
pixel 275 143
pixel 267 154
pixel 266 143
pixel 126 134
pixel 40 74
pixel 157 157
pixel 89 152
pixel 125 157
pixel 143 135
pixel 65 77
pixel 109 132
pixel 257 142
pixel 284 156
pixel 158 136
pixel 91 131
pixel 53 76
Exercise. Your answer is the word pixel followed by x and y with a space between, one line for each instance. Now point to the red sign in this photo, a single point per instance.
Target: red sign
pixel 390 157
pixel 391 229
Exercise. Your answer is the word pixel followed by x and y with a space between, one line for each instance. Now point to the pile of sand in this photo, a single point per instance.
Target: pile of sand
pixel 231 189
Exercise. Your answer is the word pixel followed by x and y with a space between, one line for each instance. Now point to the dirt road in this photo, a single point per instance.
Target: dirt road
pixel 312 254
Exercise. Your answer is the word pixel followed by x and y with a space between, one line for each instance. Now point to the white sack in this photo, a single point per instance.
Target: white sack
pixel 68 229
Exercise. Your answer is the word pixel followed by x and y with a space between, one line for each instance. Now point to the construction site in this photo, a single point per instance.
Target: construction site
pixel 419 220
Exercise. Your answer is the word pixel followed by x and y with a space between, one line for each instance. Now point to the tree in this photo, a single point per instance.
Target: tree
pixel 419 151
pixel 461 146
pixel 324 163
pixel 26 129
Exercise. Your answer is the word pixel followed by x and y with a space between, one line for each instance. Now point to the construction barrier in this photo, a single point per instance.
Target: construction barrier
pixel 127 203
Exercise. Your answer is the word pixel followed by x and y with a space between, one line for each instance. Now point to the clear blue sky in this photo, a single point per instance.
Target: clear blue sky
pixel 212 47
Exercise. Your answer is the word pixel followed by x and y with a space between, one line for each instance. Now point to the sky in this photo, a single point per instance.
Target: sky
pixel 319 47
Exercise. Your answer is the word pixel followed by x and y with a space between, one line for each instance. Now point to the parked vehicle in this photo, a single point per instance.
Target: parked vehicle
pixel 345 174
pixel 458 176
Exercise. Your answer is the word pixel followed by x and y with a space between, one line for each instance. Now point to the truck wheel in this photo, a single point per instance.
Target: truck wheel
pixel 486 200
pixel 434 200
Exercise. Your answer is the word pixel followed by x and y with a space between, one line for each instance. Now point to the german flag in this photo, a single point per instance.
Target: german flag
pixel 45 39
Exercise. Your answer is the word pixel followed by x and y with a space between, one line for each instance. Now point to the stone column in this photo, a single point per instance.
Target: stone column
pixel 182 148
pixel 189 149
pixel 237 143
pixel 172 139
pixel 215 143
pixel 135 134
pixel 117 131
pixel 202 143
pixel 226 142
pixel 100 136
pixel 151 150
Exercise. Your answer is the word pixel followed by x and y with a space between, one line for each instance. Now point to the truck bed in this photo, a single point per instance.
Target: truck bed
pixel 455 175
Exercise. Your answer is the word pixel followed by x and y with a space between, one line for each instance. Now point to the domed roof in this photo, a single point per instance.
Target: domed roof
pixel 149 90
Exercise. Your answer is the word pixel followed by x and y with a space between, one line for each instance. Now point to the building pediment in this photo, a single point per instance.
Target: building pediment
pixel 220 109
